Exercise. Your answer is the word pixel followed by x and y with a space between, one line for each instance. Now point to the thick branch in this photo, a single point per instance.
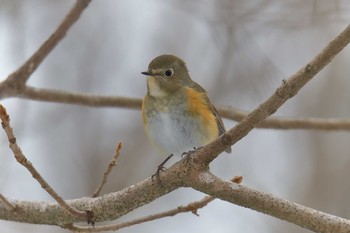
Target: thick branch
pixel 191 207
pixel 105 208
pixel 312 219
pixel 114 205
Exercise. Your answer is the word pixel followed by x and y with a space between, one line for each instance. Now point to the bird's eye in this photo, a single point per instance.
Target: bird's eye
pixel 169 72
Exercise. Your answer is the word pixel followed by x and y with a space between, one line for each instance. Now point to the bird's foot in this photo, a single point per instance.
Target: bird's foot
pixel 188 154
pixel 160 168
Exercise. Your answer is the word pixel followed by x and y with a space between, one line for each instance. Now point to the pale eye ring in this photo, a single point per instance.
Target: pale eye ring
pixel 169 72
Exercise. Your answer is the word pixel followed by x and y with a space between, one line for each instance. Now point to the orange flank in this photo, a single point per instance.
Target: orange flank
pixel 198 106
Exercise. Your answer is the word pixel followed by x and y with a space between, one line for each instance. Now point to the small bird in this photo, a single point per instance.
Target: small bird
pixel 176 111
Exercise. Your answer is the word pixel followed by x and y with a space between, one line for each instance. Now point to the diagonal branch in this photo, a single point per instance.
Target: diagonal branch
pixel 18 79
pixel 287 90
pixel 5 122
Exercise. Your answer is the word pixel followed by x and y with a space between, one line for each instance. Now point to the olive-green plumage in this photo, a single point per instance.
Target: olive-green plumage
pixel 177 113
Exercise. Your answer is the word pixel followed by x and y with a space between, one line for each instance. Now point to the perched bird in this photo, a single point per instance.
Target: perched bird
pixel 177 114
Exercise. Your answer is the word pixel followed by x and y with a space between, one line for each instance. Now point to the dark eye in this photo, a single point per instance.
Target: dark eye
pixel 169 73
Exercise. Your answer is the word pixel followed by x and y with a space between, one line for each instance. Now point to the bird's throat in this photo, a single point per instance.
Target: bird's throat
pixel 154 88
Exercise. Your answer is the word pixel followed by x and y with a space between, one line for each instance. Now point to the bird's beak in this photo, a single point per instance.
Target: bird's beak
pixel 152 72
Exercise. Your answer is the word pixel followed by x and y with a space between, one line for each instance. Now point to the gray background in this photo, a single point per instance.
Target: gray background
pixel 239 51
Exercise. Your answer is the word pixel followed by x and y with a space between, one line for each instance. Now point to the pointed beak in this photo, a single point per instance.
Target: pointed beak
pixel 151 72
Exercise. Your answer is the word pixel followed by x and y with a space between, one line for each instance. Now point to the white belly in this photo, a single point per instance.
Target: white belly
pixel 174 135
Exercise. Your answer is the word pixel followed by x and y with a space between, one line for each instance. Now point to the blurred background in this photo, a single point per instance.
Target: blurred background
pixel 239 51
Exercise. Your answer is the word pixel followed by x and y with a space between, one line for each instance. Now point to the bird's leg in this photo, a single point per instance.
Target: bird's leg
pixel 159 169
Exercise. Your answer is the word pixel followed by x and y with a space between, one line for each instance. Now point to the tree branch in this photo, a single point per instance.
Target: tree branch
pixel 91 100
pixel 191 207
pixel 16 81
pixel 105 208
pixel 49 95
pixel 288 122
pixel 287 90
pixel 311 219
pixel 114 205
pixel 5 122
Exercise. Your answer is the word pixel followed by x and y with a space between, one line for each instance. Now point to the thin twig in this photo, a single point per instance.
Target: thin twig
pixel 111 164
pixel 6 202
pixel 311 123
pixel 18 79
pixel 5 122
pixel 91 100
pixel 50 95
pixel 191 207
